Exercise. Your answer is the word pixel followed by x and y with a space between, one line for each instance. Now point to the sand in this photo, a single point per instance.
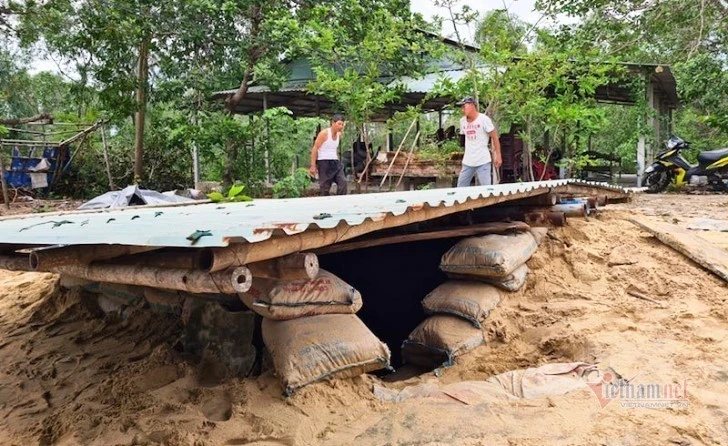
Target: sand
pixel 72 375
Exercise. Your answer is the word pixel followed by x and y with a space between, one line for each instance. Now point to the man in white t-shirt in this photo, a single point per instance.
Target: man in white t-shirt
pixel 478 130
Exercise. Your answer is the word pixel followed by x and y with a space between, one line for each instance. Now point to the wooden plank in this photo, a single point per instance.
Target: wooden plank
pixel 705 254
pixel 485 228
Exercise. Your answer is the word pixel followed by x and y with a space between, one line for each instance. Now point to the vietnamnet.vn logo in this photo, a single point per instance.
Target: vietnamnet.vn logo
pixel 609 386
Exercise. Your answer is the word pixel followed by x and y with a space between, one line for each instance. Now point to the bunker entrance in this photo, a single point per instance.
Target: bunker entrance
pixel 393 280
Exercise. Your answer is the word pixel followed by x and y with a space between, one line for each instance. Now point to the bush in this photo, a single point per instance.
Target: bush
pixel 292 186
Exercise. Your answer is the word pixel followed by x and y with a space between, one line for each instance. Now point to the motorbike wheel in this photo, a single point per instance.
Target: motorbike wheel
pixel 657 182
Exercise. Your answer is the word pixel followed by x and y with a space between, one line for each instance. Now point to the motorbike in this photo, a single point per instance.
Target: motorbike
pixel 670 166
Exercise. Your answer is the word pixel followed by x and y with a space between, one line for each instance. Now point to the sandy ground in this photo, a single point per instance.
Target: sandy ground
pixel 71 375
pixel 38 206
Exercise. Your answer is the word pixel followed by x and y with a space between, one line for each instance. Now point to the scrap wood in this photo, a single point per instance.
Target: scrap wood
pixel 693 247
pixel 409 158
pixel 636 292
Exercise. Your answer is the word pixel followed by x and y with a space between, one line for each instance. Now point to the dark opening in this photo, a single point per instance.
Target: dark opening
pixel 393 280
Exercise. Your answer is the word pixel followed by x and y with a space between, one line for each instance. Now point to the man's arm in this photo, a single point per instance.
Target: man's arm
pixel 497 160
pixel 314 152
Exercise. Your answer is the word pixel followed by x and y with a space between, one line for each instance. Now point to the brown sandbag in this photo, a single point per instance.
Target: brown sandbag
pixel 513 281
pixel 438 340
pixel 467 299
pixel 492 255
pixel 330 346
pixel 290 299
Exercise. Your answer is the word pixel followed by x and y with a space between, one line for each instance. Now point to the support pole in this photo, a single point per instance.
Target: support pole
pixel 14 263
pixel 267 141
pixel 640 160
pixel 195 157
pixel 106 157
pixel 6 195
pixel 230 281
pixel 45 259
pixel 299 266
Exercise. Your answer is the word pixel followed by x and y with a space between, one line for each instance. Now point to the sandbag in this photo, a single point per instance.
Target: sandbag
pixel 539 234
pixel 290 299
pixel 493 255
pixel 315 348
pixel 438 340
pixel 513 281
pixel 468 299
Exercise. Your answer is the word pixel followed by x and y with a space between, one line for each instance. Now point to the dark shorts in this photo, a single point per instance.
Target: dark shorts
pixel 330 172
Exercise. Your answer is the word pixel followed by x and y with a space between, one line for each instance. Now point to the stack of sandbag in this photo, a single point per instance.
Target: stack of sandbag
pixel 499 259
pixel 311 330
pixel 457 309
pixel 478 267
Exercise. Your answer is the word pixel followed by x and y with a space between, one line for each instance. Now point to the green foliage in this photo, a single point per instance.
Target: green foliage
pixel 234 194
pixel 292 186
pixel 357 47
pixel 703 82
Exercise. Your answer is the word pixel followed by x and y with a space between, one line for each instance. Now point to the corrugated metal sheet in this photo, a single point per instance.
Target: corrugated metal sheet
pixel 253 222
pixel 424 84
pixel 427 83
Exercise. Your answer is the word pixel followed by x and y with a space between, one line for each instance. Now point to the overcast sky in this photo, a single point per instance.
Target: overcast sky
pixel 524 9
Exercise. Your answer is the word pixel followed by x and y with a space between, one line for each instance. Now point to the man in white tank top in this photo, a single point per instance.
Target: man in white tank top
pixel 325 158
pixel 478 130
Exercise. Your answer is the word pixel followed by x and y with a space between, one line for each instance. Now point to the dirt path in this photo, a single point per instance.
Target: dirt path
pixel 71 375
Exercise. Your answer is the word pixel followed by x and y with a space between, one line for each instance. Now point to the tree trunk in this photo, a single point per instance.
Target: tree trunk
pixel 527 164
pixel 253 56
pixel 141 102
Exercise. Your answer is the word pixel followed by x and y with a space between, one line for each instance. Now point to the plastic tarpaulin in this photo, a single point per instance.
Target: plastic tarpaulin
pixel 131 196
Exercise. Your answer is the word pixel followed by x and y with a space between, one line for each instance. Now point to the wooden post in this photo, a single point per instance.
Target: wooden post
pixel 141 102
pixel 6 195
pixel 195 157
pixel 390 136
pixel 106 157
pixel 640 160
pixel 650 145
pixel 266 153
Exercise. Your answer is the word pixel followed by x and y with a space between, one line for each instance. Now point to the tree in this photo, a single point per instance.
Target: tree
pixel 359 49
pixel 690 35
pixel 126 47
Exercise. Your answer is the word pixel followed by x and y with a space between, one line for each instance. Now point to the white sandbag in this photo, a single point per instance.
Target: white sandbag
pixel 513 281
pixel 492 255
pixel 315 348
pixel 439 339
pixel 468 299
pixel 291 299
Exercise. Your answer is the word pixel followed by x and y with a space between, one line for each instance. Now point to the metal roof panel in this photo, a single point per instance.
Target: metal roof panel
pixel 223 223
